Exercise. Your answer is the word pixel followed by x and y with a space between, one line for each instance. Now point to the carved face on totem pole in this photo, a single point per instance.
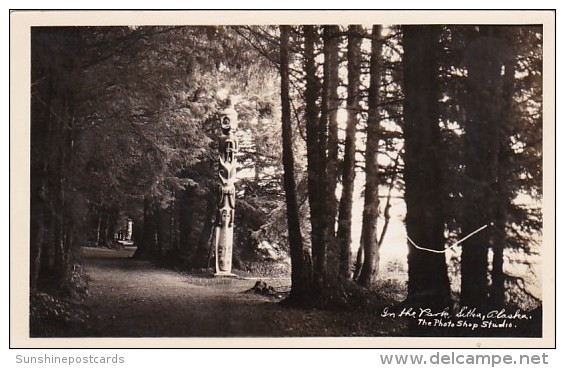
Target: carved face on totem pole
pixel 228 120
pixel 228 140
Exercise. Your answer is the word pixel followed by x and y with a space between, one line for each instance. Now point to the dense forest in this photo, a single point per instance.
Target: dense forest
pixel 434 129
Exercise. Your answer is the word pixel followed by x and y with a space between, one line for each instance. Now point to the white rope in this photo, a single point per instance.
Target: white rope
pixel 446 249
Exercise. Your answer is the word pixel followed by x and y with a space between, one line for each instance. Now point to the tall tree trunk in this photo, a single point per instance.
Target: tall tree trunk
pixel 176 226
pixel 316 168
pixel 186 223
pixel 67 191
pixel 359 257
pixel 145 245
pixel 37 238
pixel 371 205
pixel 205 246
pixel 484 59
pixel 428 283
pixel 39 211
pixel 301 272
pixel 107 240
pixel 103 239
pixel 158 233
pixel 53 89
pixel 330 106
pixel 353 98
pixel 502 192
pixel 98 227
pixel 173 223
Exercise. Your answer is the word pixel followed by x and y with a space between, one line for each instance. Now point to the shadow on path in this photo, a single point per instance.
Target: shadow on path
pixel 134 298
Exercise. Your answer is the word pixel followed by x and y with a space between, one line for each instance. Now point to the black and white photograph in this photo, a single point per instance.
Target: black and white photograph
pixel 314 176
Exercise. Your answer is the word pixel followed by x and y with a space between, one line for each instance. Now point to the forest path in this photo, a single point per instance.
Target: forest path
pixel 134 298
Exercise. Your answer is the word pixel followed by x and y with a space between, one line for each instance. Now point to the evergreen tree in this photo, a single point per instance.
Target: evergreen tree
pixel 428 284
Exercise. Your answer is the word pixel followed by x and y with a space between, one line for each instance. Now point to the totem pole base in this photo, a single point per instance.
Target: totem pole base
pixel 225 274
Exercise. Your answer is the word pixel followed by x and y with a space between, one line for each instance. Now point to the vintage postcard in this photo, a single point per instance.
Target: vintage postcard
pixel 282 179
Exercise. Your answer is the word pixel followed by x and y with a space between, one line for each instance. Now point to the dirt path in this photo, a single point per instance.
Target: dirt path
pixel 133 298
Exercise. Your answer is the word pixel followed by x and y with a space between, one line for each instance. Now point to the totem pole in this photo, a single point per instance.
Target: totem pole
pixel 226 192
pixel 129 229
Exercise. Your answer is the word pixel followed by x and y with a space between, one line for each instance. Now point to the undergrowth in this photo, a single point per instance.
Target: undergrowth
pixel 59 312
